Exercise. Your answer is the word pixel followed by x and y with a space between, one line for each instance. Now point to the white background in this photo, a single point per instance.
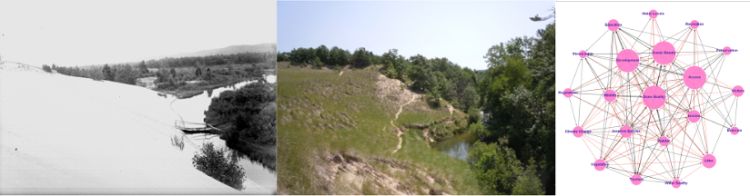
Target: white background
pixel 579 24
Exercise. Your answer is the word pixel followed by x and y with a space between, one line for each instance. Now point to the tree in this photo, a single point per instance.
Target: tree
pixel 528 182
pixel 323 55
pixel 362 58
pixel 142 67
pixel 108 73
pixel 496 167
pixel 212 162
pixel 248 119
pixel 47 68
pixel 198 72
pixel 339 57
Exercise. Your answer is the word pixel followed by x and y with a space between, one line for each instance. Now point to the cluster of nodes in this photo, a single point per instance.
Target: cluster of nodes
pixel 649 105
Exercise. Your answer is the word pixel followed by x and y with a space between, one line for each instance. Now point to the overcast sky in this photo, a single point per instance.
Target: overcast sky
pixel 81 32
pixel 462 31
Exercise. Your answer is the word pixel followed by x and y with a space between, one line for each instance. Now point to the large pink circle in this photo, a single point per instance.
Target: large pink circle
pixel 627 60
pixel 694 24
pixel 708 161
pixel 653 14
pixel 654 97
pixel 694 116
pixel 583 54
pixel 599 165
pixel 663 53
pixel 636 179
pixel 694 77
pixel 626 131
pixel 734 130
pixel 613 25
pixel 727 50
pixel 676 183
pixel 578 131
pixel 610 95
pixel 663 141
pixel 738 91
pixel 568 93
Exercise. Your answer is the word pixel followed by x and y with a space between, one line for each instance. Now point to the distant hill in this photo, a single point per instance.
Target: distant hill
pixel 256 48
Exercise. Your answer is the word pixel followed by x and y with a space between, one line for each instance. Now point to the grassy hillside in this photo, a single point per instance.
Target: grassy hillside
pixel 335 136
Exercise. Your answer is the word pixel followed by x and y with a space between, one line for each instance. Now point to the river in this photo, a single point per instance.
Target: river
pixel 458 146
pixel 192 110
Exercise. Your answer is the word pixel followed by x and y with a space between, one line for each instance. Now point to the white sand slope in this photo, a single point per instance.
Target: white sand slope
pixel 61 134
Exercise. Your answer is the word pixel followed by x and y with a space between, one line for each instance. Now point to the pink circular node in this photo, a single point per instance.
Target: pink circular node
pixel 654 97
pixel 578 131
pixel 568 92
pixel 727 50
pixel 737 91
pixel 636 179
pixel 663 141
pixel 676 183
pixel 734 130
pixel 613 25
pixel 709 161
pixel 626 131
pixel 694 116
pixel 694 77
pixel 694 24
pixel 599 165
pixel 653 14
pixel 664 53
pixel 610 95
pixel 627 60
pixel 583 54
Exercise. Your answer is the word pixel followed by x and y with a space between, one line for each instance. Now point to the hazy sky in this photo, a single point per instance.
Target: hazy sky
pixel 79 32
pixel 462 31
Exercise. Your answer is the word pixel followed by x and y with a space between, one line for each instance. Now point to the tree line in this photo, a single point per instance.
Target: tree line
pixel 436 77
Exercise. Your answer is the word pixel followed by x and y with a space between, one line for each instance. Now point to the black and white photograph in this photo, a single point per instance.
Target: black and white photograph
pixel 138 97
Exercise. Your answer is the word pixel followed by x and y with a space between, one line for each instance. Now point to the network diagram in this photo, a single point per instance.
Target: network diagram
pixel 649 103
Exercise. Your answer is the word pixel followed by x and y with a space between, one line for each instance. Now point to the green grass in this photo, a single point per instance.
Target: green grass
pixel 320 111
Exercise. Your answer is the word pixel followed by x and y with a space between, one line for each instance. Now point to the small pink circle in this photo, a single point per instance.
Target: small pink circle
pixel 694 116
pixel 599 165
pixel 627 60
pixel 694 24
pixel 727 50
pixel 664 53
pixel 709 161
pixel 613 25
pixel 663 141
pixel 636 179
pixel 578 131
pixel 568 92
pixel 654 97
pixel 734 130
pixel 694 77
pixel 583 54
pixel 626 131
pixel 653 14
pixel 676 183
pixel 737 91
pixel 610 95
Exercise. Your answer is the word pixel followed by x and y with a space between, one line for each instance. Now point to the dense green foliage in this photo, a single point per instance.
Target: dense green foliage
pixel 247 118
pixel 213 162
pixel 517 93
pixel 437 77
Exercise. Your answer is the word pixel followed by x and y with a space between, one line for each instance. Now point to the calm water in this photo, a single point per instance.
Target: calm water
pixel 191 110
pixel 458 146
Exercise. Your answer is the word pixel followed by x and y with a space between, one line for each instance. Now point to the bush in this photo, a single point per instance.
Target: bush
pixel 47 68
pixel 212 162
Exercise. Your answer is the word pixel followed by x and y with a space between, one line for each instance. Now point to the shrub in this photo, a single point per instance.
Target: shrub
pixel 212 162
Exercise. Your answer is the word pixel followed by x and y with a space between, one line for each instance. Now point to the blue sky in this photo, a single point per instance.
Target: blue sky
pixel 461 31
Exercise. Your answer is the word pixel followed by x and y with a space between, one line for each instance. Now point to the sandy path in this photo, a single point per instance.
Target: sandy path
pixel 400 132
